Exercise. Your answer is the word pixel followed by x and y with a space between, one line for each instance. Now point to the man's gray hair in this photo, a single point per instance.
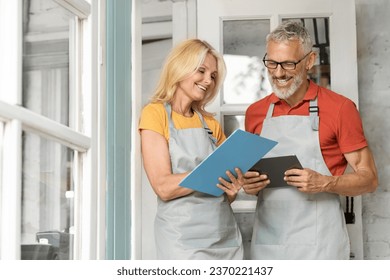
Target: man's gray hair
pixel 292 30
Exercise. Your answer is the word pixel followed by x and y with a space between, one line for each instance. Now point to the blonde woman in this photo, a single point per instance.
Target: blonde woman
pixel 177 133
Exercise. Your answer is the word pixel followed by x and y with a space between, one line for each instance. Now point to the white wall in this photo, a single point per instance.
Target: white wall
pixel 373 41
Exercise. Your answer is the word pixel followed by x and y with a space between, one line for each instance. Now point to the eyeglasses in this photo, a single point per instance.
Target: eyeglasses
pixel 286 65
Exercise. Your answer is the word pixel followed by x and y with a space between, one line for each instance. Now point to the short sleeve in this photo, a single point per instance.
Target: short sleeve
pixel 350 132
pixel 153 117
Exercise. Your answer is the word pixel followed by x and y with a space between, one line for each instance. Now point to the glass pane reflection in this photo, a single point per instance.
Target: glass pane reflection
pixel 47 199
pixel 46 59
pixel 243 49
pixel 233 122
pixel 319 31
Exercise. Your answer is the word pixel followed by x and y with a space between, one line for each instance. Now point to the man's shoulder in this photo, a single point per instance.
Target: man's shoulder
pixel 335 98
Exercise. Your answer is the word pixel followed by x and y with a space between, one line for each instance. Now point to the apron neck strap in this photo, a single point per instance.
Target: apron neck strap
pixel 270 111
pixel 168 108
pixel 169 112
pixel 204 124
pixel 208 130
pixel 313 113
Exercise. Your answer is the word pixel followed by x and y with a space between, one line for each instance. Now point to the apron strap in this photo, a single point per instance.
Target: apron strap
pixel 208 130
pixel 204 124
pixel 270 111
pixel 169 112
pixel 313 113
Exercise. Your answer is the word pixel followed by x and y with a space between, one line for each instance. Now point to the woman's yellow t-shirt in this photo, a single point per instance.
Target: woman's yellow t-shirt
pixel 154 117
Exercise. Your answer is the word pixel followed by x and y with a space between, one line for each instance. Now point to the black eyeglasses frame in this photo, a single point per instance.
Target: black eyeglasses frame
pixel 292 63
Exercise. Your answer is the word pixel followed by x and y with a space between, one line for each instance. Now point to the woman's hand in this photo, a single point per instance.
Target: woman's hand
pixel 231 188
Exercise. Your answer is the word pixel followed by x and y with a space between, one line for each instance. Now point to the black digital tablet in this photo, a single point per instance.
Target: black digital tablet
pixel 275 167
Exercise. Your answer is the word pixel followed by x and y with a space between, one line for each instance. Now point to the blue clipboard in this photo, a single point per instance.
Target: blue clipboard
pixel 241 149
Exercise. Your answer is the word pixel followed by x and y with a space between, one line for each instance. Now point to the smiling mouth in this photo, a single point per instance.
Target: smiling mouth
pixel 202 87
pixel 283 81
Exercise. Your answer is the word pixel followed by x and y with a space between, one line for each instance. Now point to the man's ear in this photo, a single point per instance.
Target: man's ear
pixel 312 59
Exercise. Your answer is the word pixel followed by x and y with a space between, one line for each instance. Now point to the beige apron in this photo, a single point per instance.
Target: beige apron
pixel 197 226
pixel 290 224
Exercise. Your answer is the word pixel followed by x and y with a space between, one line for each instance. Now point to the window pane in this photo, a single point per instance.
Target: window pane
pixel 233 122
pixel 46 59
pixel 319 31
pixel 243 50
pixel 47 199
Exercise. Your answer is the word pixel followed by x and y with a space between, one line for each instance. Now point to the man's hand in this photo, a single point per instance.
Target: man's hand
pixel 308 181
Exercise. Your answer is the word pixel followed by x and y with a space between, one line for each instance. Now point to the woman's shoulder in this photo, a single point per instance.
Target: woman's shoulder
pixel 154 111
pixel 154 117
pixel 211 120
pixel 209 117
pixel 154 107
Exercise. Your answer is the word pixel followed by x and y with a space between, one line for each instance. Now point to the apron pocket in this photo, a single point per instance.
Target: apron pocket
pixel 286 222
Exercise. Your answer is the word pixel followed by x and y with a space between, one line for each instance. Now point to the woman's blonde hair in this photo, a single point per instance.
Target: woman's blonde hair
pixel 182 62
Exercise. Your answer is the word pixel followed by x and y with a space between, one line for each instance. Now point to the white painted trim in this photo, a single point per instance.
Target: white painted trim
pixel 230 109
pixel 156 30
pixel 11 51
pixel 11 192
pixel 99 86
pixel 2 128
pixel 74 58
pixel 38 37
pixel 45 127
pixel 184 20
pixel 77 239
pixel 80 8
pixel 152 10
pixel 93 178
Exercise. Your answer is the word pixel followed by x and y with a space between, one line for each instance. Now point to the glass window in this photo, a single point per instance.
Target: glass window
pixel 47 29
pixel 246 81
pixel 42 166
pixel 233 122
pixel 47 199
pixel 319 31
pixel 243 50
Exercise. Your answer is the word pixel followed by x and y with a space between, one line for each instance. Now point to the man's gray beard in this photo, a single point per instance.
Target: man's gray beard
pixel 285 94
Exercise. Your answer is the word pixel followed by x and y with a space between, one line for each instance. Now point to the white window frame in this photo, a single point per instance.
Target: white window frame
pixel 89 144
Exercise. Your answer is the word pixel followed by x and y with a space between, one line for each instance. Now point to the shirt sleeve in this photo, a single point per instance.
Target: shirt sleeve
pixel 350 132
pixel 153 117
pixel 255 115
